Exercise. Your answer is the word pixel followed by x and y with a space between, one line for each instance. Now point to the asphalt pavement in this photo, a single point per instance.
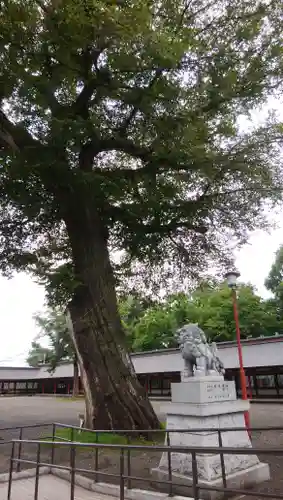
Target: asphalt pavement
pixel 21 411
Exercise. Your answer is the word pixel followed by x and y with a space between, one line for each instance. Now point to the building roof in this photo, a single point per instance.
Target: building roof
pixel 220 345
pixel 256 352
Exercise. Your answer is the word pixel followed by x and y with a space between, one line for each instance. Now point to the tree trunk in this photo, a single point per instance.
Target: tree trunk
pixel 76 377
pixel 114 398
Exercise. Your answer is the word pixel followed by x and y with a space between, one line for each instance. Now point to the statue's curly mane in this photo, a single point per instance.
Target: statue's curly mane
pixel 195 349
pixel 190 330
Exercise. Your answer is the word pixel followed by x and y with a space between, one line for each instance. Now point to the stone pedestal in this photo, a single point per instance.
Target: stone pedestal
pixel 209 403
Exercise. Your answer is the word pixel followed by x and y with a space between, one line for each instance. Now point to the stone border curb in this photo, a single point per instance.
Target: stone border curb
pixel 113 489
pixel 24 474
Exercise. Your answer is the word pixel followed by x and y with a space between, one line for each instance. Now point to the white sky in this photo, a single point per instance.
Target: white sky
pixel 255 259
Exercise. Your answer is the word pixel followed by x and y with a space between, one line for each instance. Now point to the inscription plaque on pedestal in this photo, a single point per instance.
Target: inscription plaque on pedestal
pixel 219 391
pixel 203 391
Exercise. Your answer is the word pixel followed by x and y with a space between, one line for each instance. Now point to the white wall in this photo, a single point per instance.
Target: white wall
pixel 18 373
pixel 62 371
pixel 260 352
pixel 162 361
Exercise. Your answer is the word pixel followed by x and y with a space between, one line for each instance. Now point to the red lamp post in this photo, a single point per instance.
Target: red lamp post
pixel 231 278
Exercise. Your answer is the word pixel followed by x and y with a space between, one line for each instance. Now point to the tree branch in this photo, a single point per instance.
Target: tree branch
pixel 119 143
pixel 14 136
pixel 158 73
pixel 171 227
pixel 130 218
pixel 100 78
pixel 142 91
pixel 86 156
pixel 48 9
pixel 6 140
pixel 44 88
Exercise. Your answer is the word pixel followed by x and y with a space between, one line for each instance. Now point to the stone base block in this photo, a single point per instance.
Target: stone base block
pixel 203 430
pixel 243 479
pixel 203 390
pixel 208 465
pixel 205 409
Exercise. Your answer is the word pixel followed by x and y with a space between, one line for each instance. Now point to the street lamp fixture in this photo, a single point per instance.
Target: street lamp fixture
pixel 231 278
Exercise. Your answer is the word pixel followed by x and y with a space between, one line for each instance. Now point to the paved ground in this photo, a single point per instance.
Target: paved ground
pixel 38 410
pixel 50 488
pixel 22 410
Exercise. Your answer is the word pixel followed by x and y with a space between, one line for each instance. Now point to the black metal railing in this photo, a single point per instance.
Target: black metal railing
pixel 160 433
pixel 53 440
pixel 165 430
pixel 21 428
pixel 20 432
pixel 129 435
pixel 125 478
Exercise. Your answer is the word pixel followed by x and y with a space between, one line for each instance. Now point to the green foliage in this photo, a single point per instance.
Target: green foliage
pixel 152 325
pixel 155 330
pixel 53 328
pixel 128 111
pixel 106 437
pixel 215 313
pixel 274 281
pixel 131 308
pixel 38 354
pixel 210 307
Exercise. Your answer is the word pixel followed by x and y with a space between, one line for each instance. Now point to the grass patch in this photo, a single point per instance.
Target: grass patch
pixel 65 433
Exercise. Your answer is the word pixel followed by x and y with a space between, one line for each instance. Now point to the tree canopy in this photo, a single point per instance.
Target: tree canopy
pixel 134 106
pixel 210 307
pixel 118 130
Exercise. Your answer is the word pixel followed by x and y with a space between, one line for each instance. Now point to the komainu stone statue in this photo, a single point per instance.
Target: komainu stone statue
pixel 200 358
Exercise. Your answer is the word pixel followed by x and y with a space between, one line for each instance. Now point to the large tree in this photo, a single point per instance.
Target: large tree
pixel 118 128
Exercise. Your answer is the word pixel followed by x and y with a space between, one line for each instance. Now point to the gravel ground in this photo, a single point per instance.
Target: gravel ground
pixel 29 411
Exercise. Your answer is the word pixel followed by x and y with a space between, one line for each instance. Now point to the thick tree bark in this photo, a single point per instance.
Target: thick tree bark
pixel 114 397
pixel 76 378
